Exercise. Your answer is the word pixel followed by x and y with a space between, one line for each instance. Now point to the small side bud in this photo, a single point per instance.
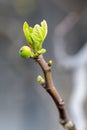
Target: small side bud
pixel 50 62
pixel 42 51
pixel 69 125
pixel 25 52
pixel 40 80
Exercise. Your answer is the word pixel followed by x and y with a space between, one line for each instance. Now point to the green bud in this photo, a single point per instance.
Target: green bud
pixel 25 52
pixel 50 62
pixel 42 51
pixel 40 80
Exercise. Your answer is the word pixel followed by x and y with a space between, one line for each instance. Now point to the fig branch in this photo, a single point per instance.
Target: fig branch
pixel 48 85
pixel 35 38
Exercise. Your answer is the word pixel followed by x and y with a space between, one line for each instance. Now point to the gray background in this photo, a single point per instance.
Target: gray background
pixel 24 105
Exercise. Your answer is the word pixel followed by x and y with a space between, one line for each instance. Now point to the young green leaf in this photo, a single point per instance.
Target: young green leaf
pixel 39 34
pixel 27 32
pixel 44 28
pixel 35 36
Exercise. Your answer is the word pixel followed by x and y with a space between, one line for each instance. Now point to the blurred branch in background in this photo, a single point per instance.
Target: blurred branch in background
pixel 75 61
pixel 24 7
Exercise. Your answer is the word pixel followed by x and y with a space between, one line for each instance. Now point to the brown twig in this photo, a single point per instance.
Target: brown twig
pixel 50 88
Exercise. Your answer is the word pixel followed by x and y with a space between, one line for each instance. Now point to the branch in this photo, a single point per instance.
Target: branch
pixel 48 85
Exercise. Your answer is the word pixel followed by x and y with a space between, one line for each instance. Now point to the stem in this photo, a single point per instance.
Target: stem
pixel 50 88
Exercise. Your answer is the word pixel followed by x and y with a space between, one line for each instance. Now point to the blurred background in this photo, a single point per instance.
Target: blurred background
pixel 24 104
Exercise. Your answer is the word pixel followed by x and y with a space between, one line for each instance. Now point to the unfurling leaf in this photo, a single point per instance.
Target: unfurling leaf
pixel 27 32
pixel 44 28
pixel 35 36
pixel 39 34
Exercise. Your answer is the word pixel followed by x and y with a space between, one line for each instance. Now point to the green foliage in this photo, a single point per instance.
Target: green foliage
pixel 25 52
pixel 35 36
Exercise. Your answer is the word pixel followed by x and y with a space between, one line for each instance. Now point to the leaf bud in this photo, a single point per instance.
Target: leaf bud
pixel 40 80
pixel 50 62
pixel 42 51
